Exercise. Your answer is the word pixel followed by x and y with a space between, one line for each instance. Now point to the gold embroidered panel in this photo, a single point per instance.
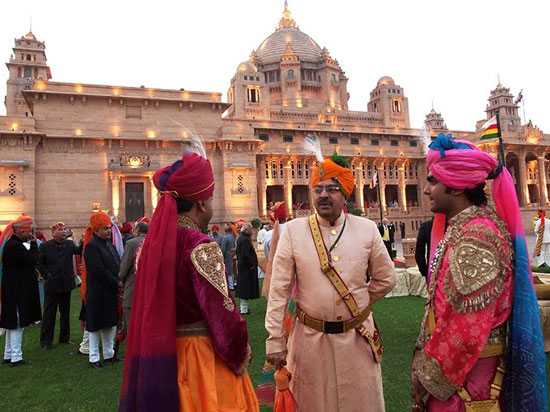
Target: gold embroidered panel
pixel 432 378
pixel 208 260
pixel 478 267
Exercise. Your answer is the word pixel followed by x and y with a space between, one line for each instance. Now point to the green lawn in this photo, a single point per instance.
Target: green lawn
pixel 59 382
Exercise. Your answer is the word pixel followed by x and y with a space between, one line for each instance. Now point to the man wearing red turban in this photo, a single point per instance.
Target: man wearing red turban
pixel 187 345
pixel 100 282
pixel 325 259
pixel 19 284
pixel 216 235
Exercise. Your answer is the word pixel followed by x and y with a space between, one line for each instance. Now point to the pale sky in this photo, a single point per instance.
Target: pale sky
pixel 448 52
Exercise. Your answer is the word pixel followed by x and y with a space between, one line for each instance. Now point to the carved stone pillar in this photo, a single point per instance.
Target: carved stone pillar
pixel 522 184
pixel 115 193
pixel 287 191
pixel 542 182
pixel 359 188
pixel 382 183
pixel 401 193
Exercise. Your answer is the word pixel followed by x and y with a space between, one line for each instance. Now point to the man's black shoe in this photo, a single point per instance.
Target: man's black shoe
pixel 22 362
pixel 96 365
pixel 68 342
pixel 78 353
pixel 110 361
pixel 6 361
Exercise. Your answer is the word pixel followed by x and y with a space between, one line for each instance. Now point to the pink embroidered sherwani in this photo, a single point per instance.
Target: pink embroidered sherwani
pixel 330 372
pixel 471 290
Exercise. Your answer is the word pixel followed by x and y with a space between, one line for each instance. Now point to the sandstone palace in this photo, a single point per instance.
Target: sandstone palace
pixel 67 149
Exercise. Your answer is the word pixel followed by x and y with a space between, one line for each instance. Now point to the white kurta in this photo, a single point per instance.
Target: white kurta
pixel 330 372
pixel 545 249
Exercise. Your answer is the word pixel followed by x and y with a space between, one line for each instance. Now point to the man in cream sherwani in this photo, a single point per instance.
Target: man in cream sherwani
pixel 332 344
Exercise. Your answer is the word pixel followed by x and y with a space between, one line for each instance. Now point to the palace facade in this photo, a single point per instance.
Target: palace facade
pixel 68 149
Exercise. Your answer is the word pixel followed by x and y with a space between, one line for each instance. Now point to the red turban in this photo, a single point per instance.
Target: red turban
pixel 215 228
pixel 143 219
pixel 98 221
pixel 57 225
pixel 279 210
pixel 189 178
pixel 126 228
pixel 341 175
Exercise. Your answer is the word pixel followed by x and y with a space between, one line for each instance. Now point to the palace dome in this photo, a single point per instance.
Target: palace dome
pixel 247 67
pixel 386 80
pixel 273 48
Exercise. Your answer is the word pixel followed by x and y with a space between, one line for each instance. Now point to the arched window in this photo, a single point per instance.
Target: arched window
pixel 253 95
pixel 19 72
pixel 290 75
pixel 28 72
pixel 35 73
pixel 333 77
pixel 397 106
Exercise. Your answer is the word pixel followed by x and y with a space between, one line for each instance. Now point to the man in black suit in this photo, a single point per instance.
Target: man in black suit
pixel 387 231
pixel 55 264
pixel 422 252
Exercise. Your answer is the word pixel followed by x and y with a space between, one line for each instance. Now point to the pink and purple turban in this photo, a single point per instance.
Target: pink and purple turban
pixel 459 164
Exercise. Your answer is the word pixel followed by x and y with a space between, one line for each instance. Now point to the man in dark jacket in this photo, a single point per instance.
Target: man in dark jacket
pixel 247 267
pixel 102 266
pixel 387 231
pixel 228 251
pixel 422 252
pixel 20 298
pixel 127 268
pixel 55 264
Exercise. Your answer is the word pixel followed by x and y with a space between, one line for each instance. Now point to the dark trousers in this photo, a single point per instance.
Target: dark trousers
pixel 388 247
pixel 51 302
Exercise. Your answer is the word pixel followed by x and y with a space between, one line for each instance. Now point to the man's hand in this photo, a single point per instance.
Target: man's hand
pixel 278 359
pixel 418 392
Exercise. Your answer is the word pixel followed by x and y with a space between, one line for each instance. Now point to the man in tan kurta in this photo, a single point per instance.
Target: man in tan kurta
pixel 330 371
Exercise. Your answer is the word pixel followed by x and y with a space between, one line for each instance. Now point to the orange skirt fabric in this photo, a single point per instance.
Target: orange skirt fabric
pixel 206 384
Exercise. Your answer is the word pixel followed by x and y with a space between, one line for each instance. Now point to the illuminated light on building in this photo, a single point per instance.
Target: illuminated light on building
pixel 151 134
pixel 78 88
pixel 14 127
pixel 78 132
pixel 40 85
pixel 116 91
pixel 116 130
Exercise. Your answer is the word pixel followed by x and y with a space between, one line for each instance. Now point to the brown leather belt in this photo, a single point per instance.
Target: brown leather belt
pixel 198 328
pixel 330 326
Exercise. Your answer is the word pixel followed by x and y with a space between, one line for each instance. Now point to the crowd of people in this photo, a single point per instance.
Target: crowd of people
pixel 169 289
pixel 29 263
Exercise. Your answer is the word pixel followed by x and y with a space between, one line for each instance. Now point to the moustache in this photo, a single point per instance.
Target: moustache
pixel 324 202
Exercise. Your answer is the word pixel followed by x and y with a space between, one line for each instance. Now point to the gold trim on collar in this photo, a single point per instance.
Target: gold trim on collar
pixel 186 221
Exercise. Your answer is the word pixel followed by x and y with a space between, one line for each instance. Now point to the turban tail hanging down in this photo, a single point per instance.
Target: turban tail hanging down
pixel 459 164
pixel 150 370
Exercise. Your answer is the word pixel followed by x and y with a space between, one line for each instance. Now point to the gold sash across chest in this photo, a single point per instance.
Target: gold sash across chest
pixel 359 316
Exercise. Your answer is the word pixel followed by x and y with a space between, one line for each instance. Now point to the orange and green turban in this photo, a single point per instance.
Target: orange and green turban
pixel 336 169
